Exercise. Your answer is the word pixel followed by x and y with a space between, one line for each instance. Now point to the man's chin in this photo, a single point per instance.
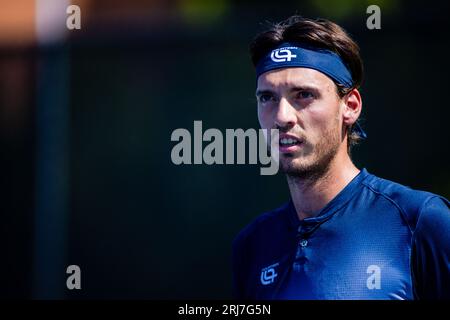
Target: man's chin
pixel 293 165
pixel 302 168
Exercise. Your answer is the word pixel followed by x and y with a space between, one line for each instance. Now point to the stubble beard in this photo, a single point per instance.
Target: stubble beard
pixel 310 167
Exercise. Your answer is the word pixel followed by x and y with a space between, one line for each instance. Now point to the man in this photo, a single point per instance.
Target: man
pixel 345 233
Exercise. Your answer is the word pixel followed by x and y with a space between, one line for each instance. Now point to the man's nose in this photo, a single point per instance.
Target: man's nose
pixel 286 116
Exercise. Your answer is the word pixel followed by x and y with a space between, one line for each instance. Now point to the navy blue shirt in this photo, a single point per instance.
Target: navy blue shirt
pixel 375 240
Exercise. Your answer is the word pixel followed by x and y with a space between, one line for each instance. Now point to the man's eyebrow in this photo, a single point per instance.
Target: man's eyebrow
pixel 304 88
pixel 265 91
pixel 292 89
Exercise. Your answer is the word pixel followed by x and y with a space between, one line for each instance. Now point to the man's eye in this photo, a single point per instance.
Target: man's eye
pixel 305 95
pixel 265 98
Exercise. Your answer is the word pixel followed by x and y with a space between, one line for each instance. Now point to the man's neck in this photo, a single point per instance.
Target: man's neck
pixel 310 196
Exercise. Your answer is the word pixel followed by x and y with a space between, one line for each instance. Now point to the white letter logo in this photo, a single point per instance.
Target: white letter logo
pixel 374 21
pixel 374 280
pixel 282 55
pixel 74 280
pixel 74 20
pixel 268 274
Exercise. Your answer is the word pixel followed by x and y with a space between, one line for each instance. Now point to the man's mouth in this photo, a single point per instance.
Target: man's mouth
pixel 289 143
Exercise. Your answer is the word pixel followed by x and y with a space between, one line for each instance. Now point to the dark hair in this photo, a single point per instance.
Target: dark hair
pixel 320 33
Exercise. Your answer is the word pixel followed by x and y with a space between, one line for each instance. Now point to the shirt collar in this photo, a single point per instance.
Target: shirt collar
pixel 308 225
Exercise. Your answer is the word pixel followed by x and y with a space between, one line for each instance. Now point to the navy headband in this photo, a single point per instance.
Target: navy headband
pixel 289 55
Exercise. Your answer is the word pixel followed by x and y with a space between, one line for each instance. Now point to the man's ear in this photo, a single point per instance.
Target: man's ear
pixel 352 107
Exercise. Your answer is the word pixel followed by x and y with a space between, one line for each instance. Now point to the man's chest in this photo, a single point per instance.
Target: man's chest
pixel 365 260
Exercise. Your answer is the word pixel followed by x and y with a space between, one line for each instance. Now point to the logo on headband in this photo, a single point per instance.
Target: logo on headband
pixel 282 54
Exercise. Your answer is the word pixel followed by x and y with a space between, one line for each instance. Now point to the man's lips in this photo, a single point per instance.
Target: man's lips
pixel 289 143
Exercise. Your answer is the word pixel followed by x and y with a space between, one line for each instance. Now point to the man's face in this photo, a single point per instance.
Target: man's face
pixel 303 104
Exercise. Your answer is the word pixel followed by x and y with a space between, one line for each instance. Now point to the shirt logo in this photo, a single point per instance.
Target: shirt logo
pixel 268 274
pixel 374 280
pixel 282 55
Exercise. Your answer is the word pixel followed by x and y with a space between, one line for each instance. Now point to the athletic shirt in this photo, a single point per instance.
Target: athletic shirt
pixel 375 240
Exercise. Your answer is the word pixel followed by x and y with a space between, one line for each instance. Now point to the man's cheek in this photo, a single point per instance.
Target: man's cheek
pixel 264 121
pixel 261 119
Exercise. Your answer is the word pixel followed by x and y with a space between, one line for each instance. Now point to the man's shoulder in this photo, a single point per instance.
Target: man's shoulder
pixel 265 224
pixel 410 202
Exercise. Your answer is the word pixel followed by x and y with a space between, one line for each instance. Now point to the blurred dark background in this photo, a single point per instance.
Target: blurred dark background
pixel 86 118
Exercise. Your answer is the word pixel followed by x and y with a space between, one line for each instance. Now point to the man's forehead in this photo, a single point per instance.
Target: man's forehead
pixel 293 77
